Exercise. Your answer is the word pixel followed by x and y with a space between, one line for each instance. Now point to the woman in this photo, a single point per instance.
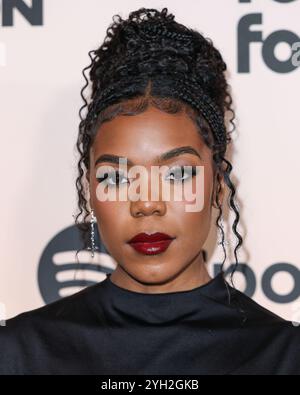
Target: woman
pixel 159 98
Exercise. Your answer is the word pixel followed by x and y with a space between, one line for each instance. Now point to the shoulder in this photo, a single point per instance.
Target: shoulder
pixel 261 322
pixel 256 314
pixel 31 334
pixel 269 343
pixel 67 308
pixel 264 322
pixel 255 311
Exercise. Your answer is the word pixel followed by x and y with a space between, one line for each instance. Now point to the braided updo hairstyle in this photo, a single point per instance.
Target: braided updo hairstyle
pixel 150 59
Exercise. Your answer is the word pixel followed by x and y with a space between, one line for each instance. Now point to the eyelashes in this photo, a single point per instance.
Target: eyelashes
pixel 109 176
pixel 179 174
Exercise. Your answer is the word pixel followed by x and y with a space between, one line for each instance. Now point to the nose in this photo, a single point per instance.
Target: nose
pixel 148 207
pixel 142 208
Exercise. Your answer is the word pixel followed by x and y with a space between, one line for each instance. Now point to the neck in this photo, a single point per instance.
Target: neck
pixel 191 276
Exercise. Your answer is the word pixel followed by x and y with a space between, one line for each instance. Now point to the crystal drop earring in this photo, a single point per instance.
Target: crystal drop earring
pixel 92 247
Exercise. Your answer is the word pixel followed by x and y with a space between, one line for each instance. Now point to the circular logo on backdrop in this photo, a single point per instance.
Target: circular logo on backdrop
pixel 60 274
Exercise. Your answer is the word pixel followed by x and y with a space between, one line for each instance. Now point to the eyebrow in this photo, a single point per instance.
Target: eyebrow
pixel 165 156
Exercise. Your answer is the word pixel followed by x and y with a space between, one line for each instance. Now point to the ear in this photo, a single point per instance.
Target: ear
pixel 219 188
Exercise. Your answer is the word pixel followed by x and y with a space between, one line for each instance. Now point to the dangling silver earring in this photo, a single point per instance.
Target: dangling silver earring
pixel 93 247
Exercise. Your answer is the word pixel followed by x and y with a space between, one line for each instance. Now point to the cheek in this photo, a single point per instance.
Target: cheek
pixel 190 223
pixel 111 216
pixel 195 195
pixel 105 211
pixel 194 226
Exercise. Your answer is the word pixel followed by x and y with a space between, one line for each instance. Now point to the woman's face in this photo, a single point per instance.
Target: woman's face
pixel 141 139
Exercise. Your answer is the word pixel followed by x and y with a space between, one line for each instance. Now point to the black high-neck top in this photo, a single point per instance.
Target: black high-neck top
pixel 106 329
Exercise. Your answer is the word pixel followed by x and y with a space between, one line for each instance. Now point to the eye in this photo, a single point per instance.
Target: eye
pixel 182 173
pixel 112 178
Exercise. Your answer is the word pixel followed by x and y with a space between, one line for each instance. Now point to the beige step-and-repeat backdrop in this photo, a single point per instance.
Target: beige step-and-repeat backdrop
pixel 43 48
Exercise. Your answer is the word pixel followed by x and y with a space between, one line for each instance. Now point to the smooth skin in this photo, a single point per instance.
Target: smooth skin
pixel 141 138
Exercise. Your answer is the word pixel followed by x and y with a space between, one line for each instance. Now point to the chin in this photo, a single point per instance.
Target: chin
pixel 153 275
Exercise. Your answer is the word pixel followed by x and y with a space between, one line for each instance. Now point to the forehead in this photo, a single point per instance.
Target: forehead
pixel 144 136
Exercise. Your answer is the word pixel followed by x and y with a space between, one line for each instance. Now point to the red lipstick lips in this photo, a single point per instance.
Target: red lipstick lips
pixel 153 244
